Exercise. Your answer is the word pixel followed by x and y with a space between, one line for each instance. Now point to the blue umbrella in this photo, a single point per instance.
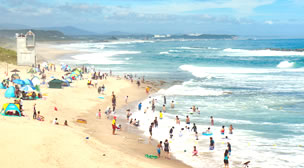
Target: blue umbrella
pixel 27 89
pixel 19 81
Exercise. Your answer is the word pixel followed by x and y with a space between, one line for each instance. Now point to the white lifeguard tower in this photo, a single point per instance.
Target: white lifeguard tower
pixel 26 49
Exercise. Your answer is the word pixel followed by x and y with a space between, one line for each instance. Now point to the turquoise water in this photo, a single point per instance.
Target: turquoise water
pixel 239 82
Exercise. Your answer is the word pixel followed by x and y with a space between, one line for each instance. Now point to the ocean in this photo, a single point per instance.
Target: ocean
pixel 239 82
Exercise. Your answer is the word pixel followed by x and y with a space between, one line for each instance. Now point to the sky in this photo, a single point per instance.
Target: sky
pixel 283 18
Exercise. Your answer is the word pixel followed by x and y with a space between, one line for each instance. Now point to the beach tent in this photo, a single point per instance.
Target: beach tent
pixel 37 88
pixel 10 92
pixel 55 83
pixel 32 70
pixel 2 86
pixel 10 107
pixel 65 83
pixel 27 89
pixel 28 82
pixel 36 81
pixel 19 81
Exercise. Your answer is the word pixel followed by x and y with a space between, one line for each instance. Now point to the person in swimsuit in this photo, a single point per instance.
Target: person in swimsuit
pixel 159 148
pixel 223 130
pixel 195 152
pixel 114 125
pixel 212 121
pixel 229 148
pixel 230 129
pixel 164 108
pixel 177 120
pixel 150 130
pixel 155 122
pixel 172 104
pixel 160 115
pixel 171 132
pixel 187 120
pixel 194 128
pixel 226 157
pixel 166 149
pixel 211 147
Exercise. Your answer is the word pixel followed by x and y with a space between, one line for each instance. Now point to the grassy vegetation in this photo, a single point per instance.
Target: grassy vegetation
pixel 7 55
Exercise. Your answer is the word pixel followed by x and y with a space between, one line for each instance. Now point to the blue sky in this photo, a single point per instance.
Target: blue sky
pixel 283 18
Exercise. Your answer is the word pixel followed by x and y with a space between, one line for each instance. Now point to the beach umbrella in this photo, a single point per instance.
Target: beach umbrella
pixel 19 81
pixel 27 89
pixel 15 70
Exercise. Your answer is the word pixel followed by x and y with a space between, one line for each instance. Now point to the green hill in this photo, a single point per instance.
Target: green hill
pixel 7 55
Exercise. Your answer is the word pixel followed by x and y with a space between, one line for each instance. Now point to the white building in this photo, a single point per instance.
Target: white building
pixel 26 49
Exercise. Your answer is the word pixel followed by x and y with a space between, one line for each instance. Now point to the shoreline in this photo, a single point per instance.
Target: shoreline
pixel 138 144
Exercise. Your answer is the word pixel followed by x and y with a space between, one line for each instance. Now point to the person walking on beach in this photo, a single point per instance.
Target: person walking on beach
pixel 114 125
pixel 165 100
pixel 230 129
pixel 171 132
pixel 155 122
pixel 211 146
pixel 113 102
pixel 159 148
pixel 212 121
pixel 34 114
pixel 99 114
pixel 166 149
pixel 99 90
pixel 226 157
pixel 126 99
pixel 150 130
pixel 160 115
pixel 177 120
pixel 139 106
pixel 229 148
pixel 187 120
pixel 194 128
pixel 195 152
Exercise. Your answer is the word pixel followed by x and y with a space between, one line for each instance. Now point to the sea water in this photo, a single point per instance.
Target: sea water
pixel 239 82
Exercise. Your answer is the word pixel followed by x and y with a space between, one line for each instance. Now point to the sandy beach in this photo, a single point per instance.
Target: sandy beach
pixel 32 143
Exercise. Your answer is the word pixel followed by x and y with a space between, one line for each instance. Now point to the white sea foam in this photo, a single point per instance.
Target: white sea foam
pixel 183 90
pixel 104 57
pixel 245 144
pixel 285 64
pixel 208 72
pixel 164 53
pixel 242 52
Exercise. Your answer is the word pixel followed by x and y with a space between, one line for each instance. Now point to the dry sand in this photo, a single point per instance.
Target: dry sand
pixel 30 143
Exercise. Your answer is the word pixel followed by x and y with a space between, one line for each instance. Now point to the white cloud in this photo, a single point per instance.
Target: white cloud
pixel 244 7
pixel 268 22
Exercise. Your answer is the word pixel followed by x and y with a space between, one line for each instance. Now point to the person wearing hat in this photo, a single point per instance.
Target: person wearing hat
pixel 114 125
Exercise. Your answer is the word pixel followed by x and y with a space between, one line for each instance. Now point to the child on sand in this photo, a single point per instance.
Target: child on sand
pixel 99 114
pixel 126 99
